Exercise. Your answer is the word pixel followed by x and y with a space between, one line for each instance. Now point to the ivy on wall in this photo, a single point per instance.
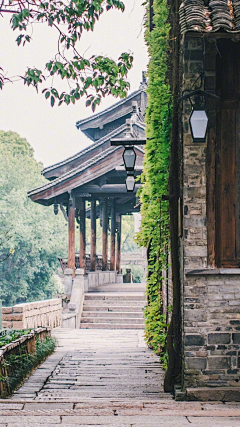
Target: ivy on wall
pixel 154 233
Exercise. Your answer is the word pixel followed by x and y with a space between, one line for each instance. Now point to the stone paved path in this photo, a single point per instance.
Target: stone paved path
pixel 109 379
pixel 91 364
pixel 106 378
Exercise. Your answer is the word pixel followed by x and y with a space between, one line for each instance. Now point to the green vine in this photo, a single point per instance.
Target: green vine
pixel 154 233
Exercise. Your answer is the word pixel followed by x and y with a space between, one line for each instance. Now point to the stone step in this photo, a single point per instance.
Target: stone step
pixel 114 303
pixel 112 319
pixel 109 314
pixel 116 297
pixel 110 326
pixel 89 306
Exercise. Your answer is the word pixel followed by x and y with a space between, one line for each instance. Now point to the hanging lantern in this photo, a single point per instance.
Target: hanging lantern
pixel 130 183
pixel 198 124
pixel 129 158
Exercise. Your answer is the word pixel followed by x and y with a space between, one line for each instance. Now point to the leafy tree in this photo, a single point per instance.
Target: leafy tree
pixel 93 77
pixel 37 236
pixel 127 236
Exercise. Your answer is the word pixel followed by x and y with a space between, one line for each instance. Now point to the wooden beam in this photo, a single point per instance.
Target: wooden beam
pixel 82 258
pixel 104 234
pixel 71 234
pixel 118 259
pixel 93 236
pixel 109 189
pixel 113 231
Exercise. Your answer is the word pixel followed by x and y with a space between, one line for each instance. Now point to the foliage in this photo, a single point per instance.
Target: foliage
pixel 127 230
pixel 93 77
pixel 127 233
pixel 156 327
pixel 154 233
pixel 11 335
pixel 20 365
pixel 38 236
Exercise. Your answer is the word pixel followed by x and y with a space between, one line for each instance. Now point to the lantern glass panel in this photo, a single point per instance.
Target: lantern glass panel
pixel 129 158
pixel 198 123
pixel 130 183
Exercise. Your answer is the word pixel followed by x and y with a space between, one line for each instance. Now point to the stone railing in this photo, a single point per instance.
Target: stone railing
pixel 47 313
pixel 64 262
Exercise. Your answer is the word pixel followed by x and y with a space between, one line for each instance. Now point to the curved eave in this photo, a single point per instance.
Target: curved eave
pixel 81 123
pixel 49 171
pixel 89 171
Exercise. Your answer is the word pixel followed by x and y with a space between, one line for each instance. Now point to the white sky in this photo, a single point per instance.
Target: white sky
pixel 52 131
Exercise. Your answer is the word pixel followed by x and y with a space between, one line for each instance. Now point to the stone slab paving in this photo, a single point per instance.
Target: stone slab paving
pixel 109 379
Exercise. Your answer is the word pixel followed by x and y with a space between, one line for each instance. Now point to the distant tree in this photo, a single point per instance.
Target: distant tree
pixel 93 77
pixel 127 236
pixel 38 237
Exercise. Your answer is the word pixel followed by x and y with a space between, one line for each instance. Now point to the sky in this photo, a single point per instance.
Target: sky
pixel 51 131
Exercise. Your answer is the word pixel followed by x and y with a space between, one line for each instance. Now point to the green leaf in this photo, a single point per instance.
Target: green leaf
pixel 52 101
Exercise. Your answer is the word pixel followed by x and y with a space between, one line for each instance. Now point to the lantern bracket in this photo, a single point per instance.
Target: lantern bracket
pixel 199 98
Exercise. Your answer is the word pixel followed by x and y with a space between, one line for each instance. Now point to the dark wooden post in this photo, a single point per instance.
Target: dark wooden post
pixel 71 234
pixel 82 257
pixel 93 235
pixel 118 260
pixel 113 230
pixel 104 234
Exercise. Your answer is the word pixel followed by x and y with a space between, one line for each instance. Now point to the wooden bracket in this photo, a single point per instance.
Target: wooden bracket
pixel 64 212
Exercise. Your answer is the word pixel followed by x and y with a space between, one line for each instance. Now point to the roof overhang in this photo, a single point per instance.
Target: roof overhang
pixel 78 178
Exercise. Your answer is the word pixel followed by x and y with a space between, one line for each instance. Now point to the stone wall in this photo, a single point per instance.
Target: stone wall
pixel 194 169
pixel 210 296
pixel 36 314
pixel 212 329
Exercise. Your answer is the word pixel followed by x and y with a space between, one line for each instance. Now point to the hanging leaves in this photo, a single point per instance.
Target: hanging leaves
pixel 154 233
pixel 95 77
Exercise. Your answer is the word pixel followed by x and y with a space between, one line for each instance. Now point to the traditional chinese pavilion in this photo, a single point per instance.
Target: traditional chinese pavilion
pixel 97 175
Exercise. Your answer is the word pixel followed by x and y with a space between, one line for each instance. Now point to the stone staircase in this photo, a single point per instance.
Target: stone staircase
pixel 113 310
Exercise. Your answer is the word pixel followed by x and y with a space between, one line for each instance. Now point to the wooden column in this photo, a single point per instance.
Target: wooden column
pixel 113 230
pixel 104 234
pixel 118 259
pixel 82 257
pixel 71 234
pixel 93 236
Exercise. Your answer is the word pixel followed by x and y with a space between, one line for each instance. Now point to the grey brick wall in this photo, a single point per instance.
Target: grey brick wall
pixel 211 297
pixel 212 330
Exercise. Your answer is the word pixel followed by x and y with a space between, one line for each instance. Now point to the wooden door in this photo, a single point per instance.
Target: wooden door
pixel 227 156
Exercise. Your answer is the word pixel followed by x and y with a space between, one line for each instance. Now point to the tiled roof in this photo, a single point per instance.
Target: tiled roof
pixel 97 143
pixel 107 110
pixel 210 16
pixel 79 169
pixel 74 171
